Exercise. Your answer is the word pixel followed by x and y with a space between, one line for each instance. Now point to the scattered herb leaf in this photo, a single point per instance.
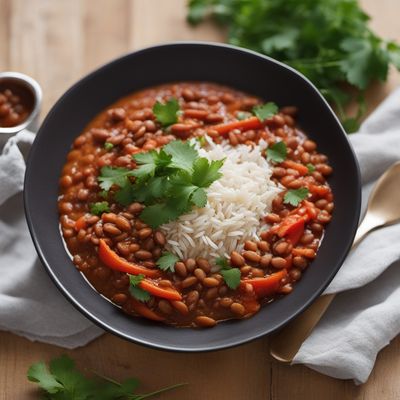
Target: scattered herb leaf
pixel 265 111
pixel 108 146
pixel 136 291
pixel 222 262
pixel 241 115
pixel 166 113
pixel 62 381
pixel 277 152
pixel 231 275
pixel 167 262
pixel 295 196
pixel 99 208
pixel 311 168
pixel 103 194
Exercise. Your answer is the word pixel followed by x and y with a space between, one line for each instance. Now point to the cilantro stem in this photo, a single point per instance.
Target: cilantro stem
pixel 106 378
pixel 144 396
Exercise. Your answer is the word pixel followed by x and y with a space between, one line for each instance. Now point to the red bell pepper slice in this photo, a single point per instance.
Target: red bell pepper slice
pixel 244 124
pixel 112 260
pixel 145 311
pixel 155 290
pixel 268 285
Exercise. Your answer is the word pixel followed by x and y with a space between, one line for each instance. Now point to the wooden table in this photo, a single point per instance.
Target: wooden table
pixel 57 41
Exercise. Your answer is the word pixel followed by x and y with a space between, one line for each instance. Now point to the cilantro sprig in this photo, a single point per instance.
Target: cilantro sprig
pixel 63 381
pixel 167 262
pixel 99 208
pixel 169 181
pixel 135 290
pixel 295 196
pixel 265 111
pixel 277 152
pixel 231 275
pixel 329 41
pixel 166 113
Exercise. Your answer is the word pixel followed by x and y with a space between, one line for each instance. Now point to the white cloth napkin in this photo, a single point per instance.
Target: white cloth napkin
pixel 365 316
pixel 30 304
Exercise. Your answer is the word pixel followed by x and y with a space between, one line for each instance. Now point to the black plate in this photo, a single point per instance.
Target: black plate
pixel 238 68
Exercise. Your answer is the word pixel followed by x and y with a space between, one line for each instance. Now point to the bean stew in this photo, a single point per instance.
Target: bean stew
pixel 16 103
pixel 146 141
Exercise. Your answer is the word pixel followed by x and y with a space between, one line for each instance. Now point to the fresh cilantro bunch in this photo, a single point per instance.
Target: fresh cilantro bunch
pixel 62 381
pixel 169 181
pixel 329 41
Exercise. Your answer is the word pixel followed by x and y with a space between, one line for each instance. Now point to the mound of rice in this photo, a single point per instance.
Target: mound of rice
pixel 236 203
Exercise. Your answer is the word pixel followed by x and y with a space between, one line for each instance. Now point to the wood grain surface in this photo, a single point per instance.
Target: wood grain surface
pixel 57 42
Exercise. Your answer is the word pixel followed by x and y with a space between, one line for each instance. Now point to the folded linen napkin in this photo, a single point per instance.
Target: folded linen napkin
pixel 30 304
pixel 365 315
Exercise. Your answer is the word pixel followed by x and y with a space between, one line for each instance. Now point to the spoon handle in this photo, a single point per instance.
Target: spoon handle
pixel 286 343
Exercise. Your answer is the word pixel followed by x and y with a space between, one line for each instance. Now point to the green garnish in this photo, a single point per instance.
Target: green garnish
pixel 311 168
pixel 166 113
pixel 137 292
pixel 63 381
pixel 277 152
pixel 265 111
pixel 295 196
pixel 99 208
pixel 169 181
pixel 231 275
pixel 241 115
pixel 108 146
pixel 329 41
pixel 167 262
pixel 114 176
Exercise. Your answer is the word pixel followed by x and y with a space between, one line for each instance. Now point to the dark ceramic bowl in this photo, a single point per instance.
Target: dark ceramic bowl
pixel 238 68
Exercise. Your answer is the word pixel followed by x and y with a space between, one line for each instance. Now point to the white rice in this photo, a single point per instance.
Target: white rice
pixel 236 204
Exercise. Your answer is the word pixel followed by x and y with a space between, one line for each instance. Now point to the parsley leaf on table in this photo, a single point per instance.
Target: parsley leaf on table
pixel 265 111
pixel 166 113
pixel 40 374
pixel 231 275
pixel 99 208
pixel 136 291
pixel 167 262
pixel 329 41
pixel 295 196
pixel 277 152
pixel 65 382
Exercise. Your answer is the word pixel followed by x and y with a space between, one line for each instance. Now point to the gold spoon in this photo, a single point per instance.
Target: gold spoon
pixel 383 209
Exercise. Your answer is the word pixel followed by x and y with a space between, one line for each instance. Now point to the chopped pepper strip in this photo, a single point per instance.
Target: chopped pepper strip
pixel 80 223
pixel 268 285
pixel 155 290
pixel 114 261
pixel 145 311
pixel 244 124
pixel 300 168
